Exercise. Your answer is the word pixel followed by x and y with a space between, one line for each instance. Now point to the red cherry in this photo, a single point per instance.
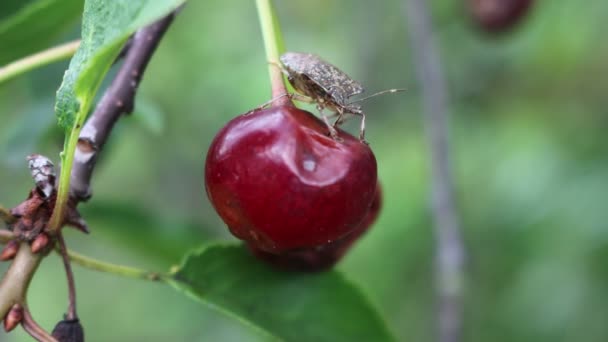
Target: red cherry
pixel 498 15
pixel 322 257
pixel 280 182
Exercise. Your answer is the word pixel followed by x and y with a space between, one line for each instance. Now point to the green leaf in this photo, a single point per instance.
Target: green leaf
pixel 9 7
pixel 288 306
pixel 34 26
pixel 106 25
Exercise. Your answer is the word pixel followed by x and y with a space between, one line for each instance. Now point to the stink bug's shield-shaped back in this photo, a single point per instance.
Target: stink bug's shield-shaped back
pixel 329 83
pixel 326 85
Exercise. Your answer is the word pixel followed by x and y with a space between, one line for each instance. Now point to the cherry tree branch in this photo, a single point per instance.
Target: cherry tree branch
pixel 6 236
pixel 17 278
pixel 119 270
pixel 63 251
pixel 38 60
pixel 117 100
pixel 450 252
pixel 35 330
pixel 5 215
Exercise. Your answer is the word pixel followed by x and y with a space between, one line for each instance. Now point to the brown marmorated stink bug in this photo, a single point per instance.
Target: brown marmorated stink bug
pixel 320 82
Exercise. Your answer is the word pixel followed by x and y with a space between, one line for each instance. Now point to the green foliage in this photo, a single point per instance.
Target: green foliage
pixel 34 26
pixel 105 28
pixel 529 149
pixel 9 7
pixel 288 306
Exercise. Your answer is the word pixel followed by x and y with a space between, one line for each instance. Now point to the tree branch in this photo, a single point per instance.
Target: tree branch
pixel 121 270
pixel 63 251
pixel 117 100
pixel 6 236
pixel 16 280
pixel 31 327
pixel 449 247
pixel 6 216
pixel 38 60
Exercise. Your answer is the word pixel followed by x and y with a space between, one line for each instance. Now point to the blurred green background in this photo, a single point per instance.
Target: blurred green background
pixel 530 154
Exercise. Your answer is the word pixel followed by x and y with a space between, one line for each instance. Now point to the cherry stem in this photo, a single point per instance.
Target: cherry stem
pixel 38 60
pixel 124 271
pixel 34 329
pixel 62 250
pixel 450 251
pixel 273 45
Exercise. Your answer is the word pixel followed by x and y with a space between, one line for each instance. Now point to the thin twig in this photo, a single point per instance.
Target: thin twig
pixel 6 236
pixel 37 60
pixel 117 100
pixel 35 330
pixel 449 247
pixel 16 280
pixel 62 249
pixel 125 271
pixel 6 216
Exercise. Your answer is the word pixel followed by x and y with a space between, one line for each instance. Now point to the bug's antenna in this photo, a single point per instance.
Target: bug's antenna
pixel 388 91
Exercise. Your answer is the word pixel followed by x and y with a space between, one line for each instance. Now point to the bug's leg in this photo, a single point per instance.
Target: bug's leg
pixel 362 129
pixel 332 116
pixel 302 98
pixel 269 102
pixel 340 118
pixel 332 130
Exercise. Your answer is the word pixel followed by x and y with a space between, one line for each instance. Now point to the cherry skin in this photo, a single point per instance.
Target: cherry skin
pixel 322 257
pixel 280 182
pixel 496 16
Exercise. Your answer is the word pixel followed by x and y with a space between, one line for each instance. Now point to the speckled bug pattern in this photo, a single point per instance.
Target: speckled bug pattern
pixel 318 79
pixel 323 84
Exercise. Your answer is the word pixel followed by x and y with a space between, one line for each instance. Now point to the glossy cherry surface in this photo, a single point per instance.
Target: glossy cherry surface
pixel 280 182
pixel 322 257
